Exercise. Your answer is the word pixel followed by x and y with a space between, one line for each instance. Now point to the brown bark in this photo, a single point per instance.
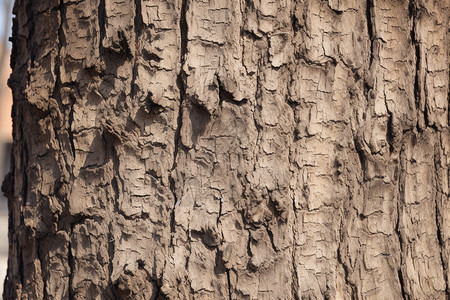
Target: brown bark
pixel 293 149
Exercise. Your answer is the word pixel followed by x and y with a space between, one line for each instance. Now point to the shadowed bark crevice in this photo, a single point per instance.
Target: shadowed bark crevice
pixel 413 11
pixel 399 213
pixel 230 293
pixel 439 233
pixel 70 262
pixel 182 95
pixel 102 24
pixel 370 18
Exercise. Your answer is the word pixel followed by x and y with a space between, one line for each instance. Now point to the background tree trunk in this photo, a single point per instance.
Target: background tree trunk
pixel 229 150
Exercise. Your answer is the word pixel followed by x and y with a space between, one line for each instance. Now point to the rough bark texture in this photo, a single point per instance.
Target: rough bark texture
pixel 293 149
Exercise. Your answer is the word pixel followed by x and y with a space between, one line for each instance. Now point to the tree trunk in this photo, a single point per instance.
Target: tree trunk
pixel 257 149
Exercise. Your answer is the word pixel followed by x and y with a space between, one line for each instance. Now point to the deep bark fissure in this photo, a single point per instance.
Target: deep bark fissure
pixel 413 11
pixel 220 210
pixel 70 262
pixel 272 243
pixel 111 151
pixel 344 266
pixel 294 284
pixel 181 86
pixel 439 234
pixel 116 163
pixel 111 251
pixel 21 268
pixel 56 94
pixel 226 96
pixel 370 27
pixel 69 129
pixel 402 285
pixel 361 156
pixel 25 158
pixel 30 43
pixel 229 284
pixel 138 27
pixel 390 138
pixel 102 24
pixel 43 274
pixel 400 241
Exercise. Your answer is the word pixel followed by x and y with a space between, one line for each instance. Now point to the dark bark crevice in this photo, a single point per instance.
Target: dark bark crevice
pixel 294 284
pixel 272 243
pixel 220 211
pixel 111 151
pixel 25 159
pixel 402 284
pixel 70 262
pixel 440 235
pixel 400 203
pixel 111 251
pixel 182 88
pixel 226 96
pixel 69 129
pixel 400 241
pixel 345 267
pixel 229 285
pixel 413 15
pixel 390 134
pixel 361 155
pixel 139 26
pixel 21 266
pixel 102 25
pixel 370 18
pixel 43 274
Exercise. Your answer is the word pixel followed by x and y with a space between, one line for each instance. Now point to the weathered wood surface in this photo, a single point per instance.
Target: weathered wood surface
pixel 218 149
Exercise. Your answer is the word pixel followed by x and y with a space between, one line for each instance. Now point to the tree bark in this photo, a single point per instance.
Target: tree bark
pixel 257 149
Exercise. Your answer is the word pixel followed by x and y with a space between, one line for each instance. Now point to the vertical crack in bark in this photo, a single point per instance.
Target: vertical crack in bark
pixel 138 27
pixel 57 88
pixel 402 284
pixel 71 274
pixel 438 230
pixel 25 160
pixel 294 284
pixel 415 43
pixel 112 153
pixel 102 24
pixel 220 211
pixel 370 26
pixel 249 249
pixel 344 266
pixel 69 128
pixel 111 251
pixel 400 196
pixel 21 268
pixel 272 243
pixel 390 132
pixel 400 241
pixel 40 258
pixel 138 21
pixel 115 189
pixel 258 127
pixel 229 284
pixel 361 155
pixel 181 86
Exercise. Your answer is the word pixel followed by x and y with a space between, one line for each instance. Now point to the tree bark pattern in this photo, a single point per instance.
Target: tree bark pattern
pixel 258 149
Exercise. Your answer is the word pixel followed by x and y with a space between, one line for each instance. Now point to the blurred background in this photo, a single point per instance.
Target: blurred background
pixel 5 127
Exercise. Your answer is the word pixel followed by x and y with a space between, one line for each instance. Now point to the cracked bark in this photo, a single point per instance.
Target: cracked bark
pixel 229 150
